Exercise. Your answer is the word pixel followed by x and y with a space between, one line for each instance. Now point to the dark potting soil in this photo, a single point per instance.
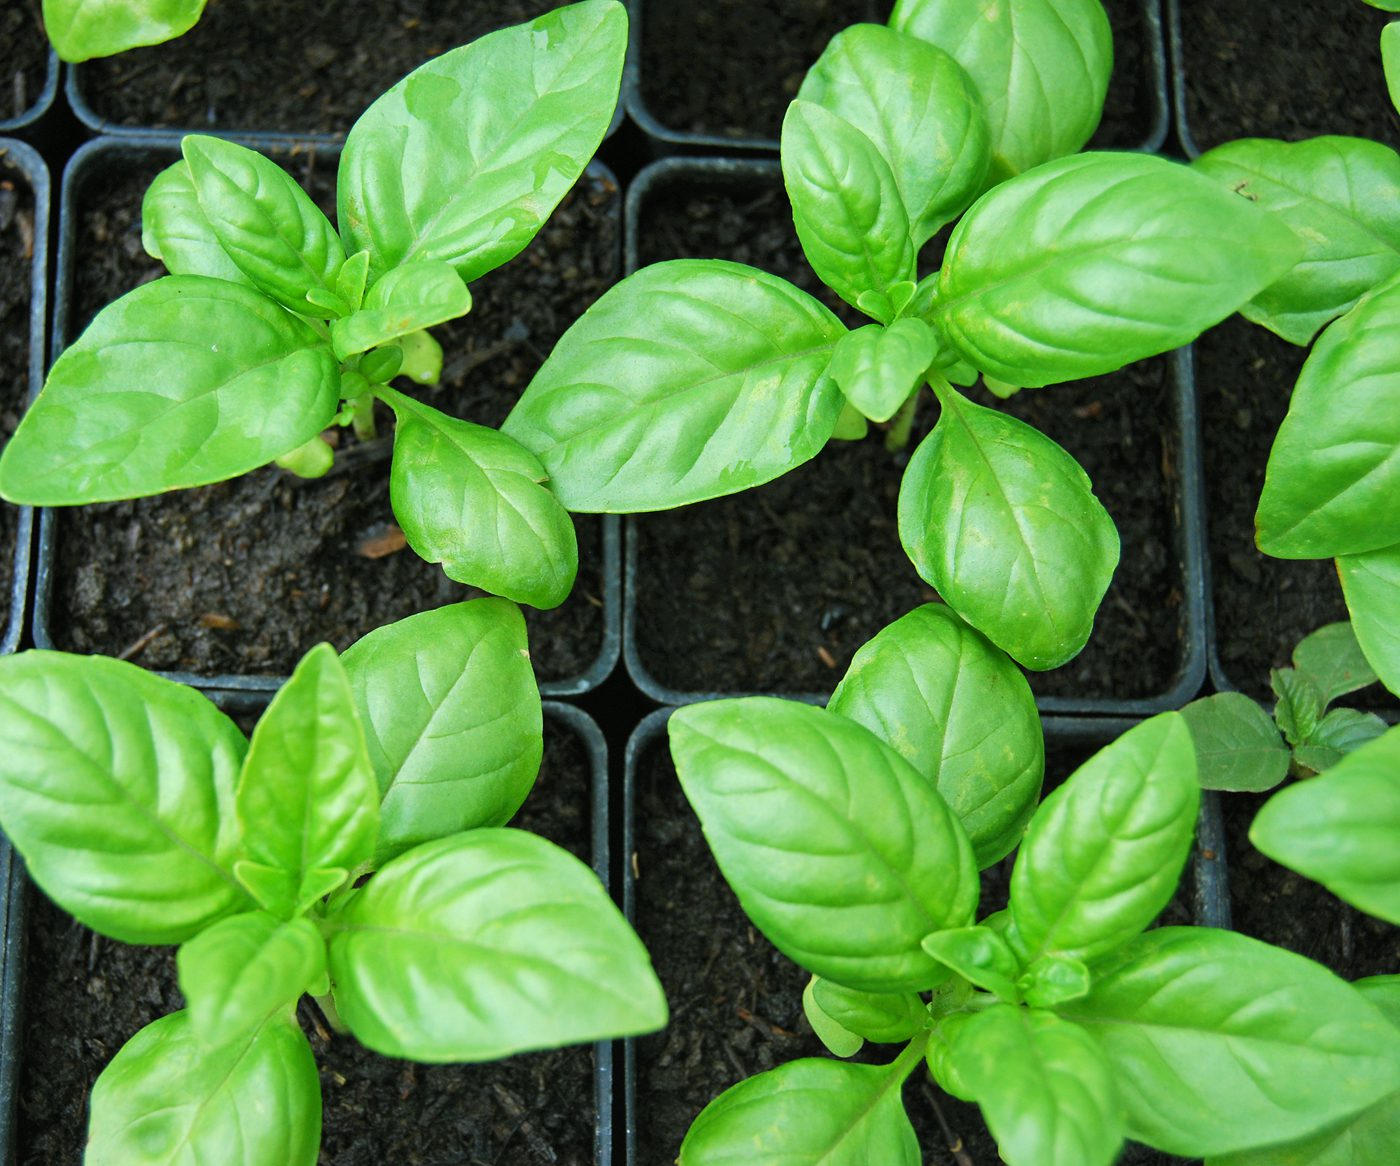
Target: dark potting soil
pixel 1287 70
pixel 85 996
pixel 245 576
pixel 774 589
pixel 736 1002
pixel 24 58
pixel 729 68
pixel 16 274
pixel 309 67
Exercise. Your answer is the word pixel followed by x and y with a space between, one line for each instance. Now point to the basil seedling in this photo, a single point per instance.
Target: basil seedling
pixel 274 325
pixel 355 849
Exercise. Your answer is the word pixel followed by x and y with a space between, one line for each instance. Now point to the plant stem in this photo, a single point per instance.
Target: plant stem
pixel 902 424
pixel 362 417
pixel 327 1006
pixel 954 1142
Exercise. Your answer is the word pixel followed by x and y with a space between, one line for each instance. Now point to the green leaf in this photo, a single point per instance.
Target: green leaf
pixel 408 299
pixel 117 788
pixel 687 380
pixel 175 230
pixel 351 281
pixel 240 971
pixel 452 719
pixel 1005 525
pixel 961 713
pixel 1332 659
pixel 1220 1043
pixel 1371 584
pixel 265 222
pixel 464 159
pixel 979 955
pixel 840 852
pixel 878 368
pixel 1385 5
pixel 82 29
pixel 918 107
pixel 182 382
pixel 882 1017
pixel 1390 60
pixel 1115 257
pixel 806 1113
pixel 473 500
pixel 422 358
pixel 307 797
pixel 1341 197
pixel 1045 1088
pixel 1103 854
pixel 1299 708
pixel 846 206
pixel 169 1097
pixel 1238 746
pixel 838 1040
pixel 1041 67
pixel 1334 471
pixel 1340 828
pixel 1053 980
pixel 484 944
pixel 1340 732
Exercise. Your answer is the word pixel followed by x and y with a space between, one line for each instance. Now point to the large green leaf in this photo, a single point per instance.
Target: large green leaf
pixel 175 230
pixel 1103 854
pixel 1334 471
pixel 919 108
pixel 1005 524
pixel 184 381
pixel 466 157
pixel 484 944
pixel 1343 828
pixel 1041 67
pixel 474 500
pixel 307 797
pixel 806 1113
pixel 839 850
pixel 1086 264
pixel 170 1099
pixel 1219 1042
pixel 688 380
pixel 1341 196
pixel 1238 746
pixel 846 205
pixel 117 787
pixel 452 719
pixel 1045 1087
pixel 411 297
pixel 961 713
pixel 1371 584
pixel 82 29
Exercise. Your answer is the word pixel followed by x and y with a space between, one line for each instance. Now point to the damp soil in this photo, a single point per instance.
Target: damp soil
pixel 85 996
pixel 774 589
pixel 244 576
pixel 1291 70
pixel 16 275
pixel 729 68
pixel 736 1002
pixel 269 66
pixel 24 58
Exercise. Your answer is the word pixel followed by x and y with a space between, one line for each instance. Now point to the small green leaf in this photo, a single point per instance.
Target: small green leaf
pixel 382 364
pixel 117 787
pixel 979 955
pixel 851 425
pixel 1390 60
pixel 1053 980
pixel 1005 525
pixel 839 1040
pixel 452 720
pixel 840 852
pixel 1300 704
pixel 882 1017
pixel 877 368
pixel 473 499
pixel 806 1113
pixel 686 381
pixel 350 283
pixel 1103 854
pixel 411 297
pixel 170 1097
pixel 1371 584
pixel 422 358
pixel 311 459
pixel 82 29
pixel 484 944
pixel 961 713
pixel 1332 659
pixel 1340 732
pixel 175 230
pixel 1238 746
pixel 185 381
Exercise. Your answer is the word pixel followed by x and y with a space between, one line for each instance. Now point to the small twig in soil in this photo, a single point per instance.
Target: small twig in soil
pixel 540 1150
pixel 955 1143
pixel 140 645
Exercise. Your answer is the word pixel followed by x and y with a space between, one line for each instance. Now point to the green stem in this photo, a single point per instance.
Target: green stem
pixel 913 1053
pixel 897 436
pixel 362 417
pixel 328 1009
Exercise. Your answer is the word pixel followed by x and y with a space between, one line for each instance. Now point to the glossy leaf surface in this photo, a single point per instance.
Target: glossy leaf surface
pixel 1238 746
pixel 838 1040
pixel 1333 660
pixel 979 955
pixel 688 380
pixel 82 29
pixel 883 1017
pixel 175 230
pixel 877 368
pixel 407 299
pixel 840 852
pixel 1371 584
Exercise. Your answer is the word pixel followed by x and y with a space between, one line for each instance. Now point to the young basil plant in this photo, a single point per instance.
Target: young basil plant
pixel 81 29
pixel 697 378
pixel 354 849
pixel 1239 746
pixel 274 325
pixel 1068 1023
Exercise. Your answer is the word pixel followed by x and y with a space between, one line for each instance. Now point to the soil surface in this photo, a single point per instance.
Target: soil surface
pixel 816 554
pixel 736 1002
pixel 86 995
pixel 244 576
pixel 309 67
pixel 24 58
pixel 16 274
pixel 729 68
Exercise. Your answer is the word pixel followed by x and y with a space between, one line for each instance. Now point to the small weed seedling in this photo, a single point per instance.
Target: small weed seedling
pixel 274 325
pixel 355 849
